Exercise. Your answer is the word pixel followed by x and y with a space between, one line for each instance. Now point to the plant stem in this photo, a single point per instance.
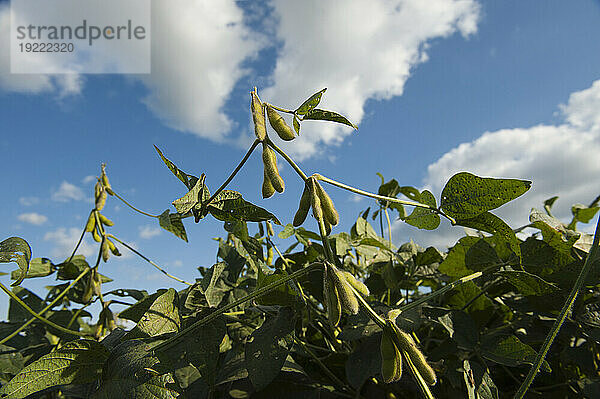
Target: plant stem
pixel 381 197
pixel 255 294
pixel 287 158
pixel 36 315
pixel 440 291
pixel 424 388
pixel 149 261
pixel 133 207
pixel 587 266
pixel 58 298
pixel 235 172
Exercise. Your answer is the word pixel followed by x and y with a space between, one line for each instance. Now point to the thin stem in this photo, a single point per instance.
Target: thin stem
pixel 287 111
pixel 37 316
pixel 78 242
pixel 387 216
pixel 381 197
pixel 133 207
pixel 441 291
pixel 149 261
pixel 255 294
pixel 51 305
pixel 235 171
pixel 424 388
pixel 287 158
pixel 587 266
pixel 372 314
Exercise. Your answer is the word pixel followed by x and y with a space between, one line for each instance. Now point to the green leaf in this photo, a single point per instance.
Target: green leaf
pixel 509 351
pixel 162 317
pixel 548 204
pixel 296 125
pixel 16 313
pixel 287 231
pixel 527 283
pixel 77 362
pixel 492 224
pixel 283 295
pixel 424 218
pixel 137 310
pixel 131 372
pixel 212 292
pixel 320 114
pixel 38 267
pixel 15 249
pixel 70 270
pixel 466 195
pixel 478 381
pixel 186 179
pixel 582 213
pixel 240 209
pixel 197 195
pixel 172 223
pixel 455 263
pixel 269 347
pixel 364 362
pixel 310 103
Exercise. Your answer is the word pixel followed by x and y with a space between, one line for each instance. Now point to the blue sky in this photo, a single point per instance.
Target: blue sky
pixel 506 89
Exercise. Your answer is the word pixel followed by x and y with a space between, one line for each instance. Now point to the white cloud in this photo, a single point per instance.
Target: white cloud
pixel 88 179
pixel 68 192
pixel 33 218
pixel 64 240
pixel 360 50
pixel 148 232
pixel 63 85
pixel 559 159
pixel 29 201
pixel 197 52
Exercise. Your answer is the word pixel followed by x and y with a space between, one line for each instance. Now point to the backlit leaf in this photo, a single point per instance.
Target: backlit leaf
pixel 172 223
pixel 310 103
pixel 320 114
pixel 15 249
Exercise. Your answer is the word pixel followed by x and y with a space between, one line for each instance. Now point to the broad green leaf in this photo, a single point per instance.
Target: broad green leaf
pixel 11 363
pixel 509 351
pixel 15 249
pixel 162 317
pixel 172 223
pixel 16 313
pixel 583 214
pixel 480 307
pixel 197 195
pixel 70 270
pixel 201 349
pixel 481 255
pixel 461 328
pixel 364 362
pixel 310 103
pixel 283 295
pixel 238 228
pixel 478 381
pixel 224 196
pixel 186 179
pixel 492 224
pixel 240 209
pixel 555 233
pixel 424 218
pixel 138 309
pixel 455 263
pixel 429 256
pixel 235 262
pixel 38 267
pixel 527 283
pixel 77 362
pixel 320 114
pixel 287 231
pixel 131 372
pixel 268 348
pixel 213 292
pixel 466 195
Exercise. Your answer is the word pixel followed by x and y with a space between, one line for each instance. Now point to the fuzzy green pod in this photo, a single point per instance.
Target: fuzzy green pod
pixel 391 358
pixel 100 198
pixel 329 212
pixel 331 298
pixel 315 202
pixel 267 187
pixel 348 300
pixel 91 223
pixel 106 183
pixel 258 116
pixel 113 248
pixel 407 344
pixel 270 230
pixel 356 284
pixel 278 124
pixel 105 251
pixel 105 221
pixel 271 171
pixel 303 208
pixel 96 236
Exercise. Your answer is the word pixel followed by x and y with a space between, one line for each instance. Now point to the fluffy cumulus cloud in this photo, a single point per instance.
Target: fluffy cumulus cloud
pixel 68 192
pixel 63 241
pixel 359 50
pixel 61 85
pixel 559 159
pixel 148 232
pixel 198 48
pixel 33 218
